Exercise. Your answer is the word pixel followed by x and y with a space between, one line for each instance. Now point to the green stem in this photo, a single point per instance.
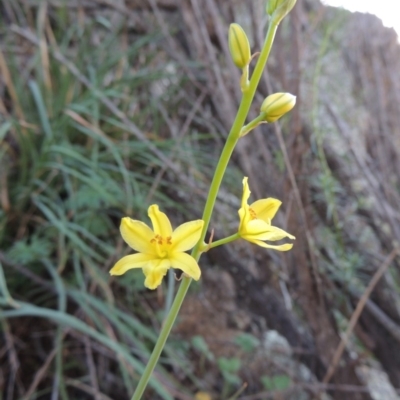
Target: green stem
pixel 252 124
pixel 234 135
pixel 166 329
pixel 170 291
pixel 222 241
pixel 230 144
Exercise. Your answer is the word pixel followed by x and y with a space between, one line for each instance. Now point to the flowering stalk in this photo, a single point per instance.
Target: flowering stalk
pixel 230 144
pixel 234 134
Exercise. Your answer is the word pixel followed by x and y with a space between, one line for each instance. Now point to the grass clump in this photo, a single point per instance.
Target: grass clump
pixel 81 99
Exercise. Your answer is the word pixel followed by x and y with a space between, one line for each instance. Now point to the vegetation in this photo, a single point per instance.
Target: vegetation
pixel 106 109
pixel 73 163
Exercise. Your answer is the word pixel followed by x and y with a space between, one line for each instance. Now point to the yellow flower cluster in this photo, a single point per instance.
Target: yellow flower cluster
pixel 162 248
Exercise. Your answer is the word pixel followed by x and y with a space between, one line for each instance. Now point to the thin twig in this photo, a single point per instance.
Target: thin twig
pixel 40 373
pixel 357 312
pixel 12 357
pixel 88 389
pixel 91 368
pixel 300 204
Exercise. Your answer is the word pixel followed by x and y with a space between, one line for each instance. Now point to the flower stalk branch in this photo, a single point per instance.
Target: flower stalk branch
pixel 220 242
pixel 253 124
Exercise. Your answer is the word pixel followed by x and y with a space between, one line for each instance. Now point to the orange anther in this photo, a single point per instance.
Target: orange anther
pixel 252 213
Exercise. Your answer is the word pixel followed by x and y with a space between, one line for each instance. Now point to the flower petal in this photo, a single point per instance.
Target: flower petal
pixel 260 230
pixel 155 272
pixel 244 211
pixel 132 261
pixel 256 227
pixel 279 247
pixel 186 236
pixel 187 264
pixel 161 224
pixel 244 218
pixel 266 208
pixel 246 192
pixel 137 235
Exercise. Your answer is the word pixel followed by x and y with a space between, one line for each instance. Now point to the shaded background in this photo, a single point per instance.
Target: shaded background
pixel 109 106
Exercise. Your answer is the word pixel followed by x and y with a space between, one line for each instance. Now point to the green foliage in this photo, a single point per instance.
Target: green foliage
pixel 276 382
pixel 30 249
pixel 229 368
pixel 247 342
pixel 201 346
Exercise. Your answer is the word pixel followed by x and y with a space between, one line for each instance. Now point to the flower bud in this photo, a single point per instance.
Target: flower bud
pixel 278 9
pixel 239 46
pixel 271 6
pixel 276 105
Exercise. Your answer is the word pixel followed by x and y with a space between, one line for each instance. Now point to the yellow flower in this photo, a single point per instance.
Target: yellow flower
pixel 159 249
pixel 255 221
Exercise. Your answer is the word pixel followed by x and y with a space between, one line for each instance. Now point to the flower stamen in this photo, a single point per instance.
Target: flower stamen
pixel 253 214
pixel 160 240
